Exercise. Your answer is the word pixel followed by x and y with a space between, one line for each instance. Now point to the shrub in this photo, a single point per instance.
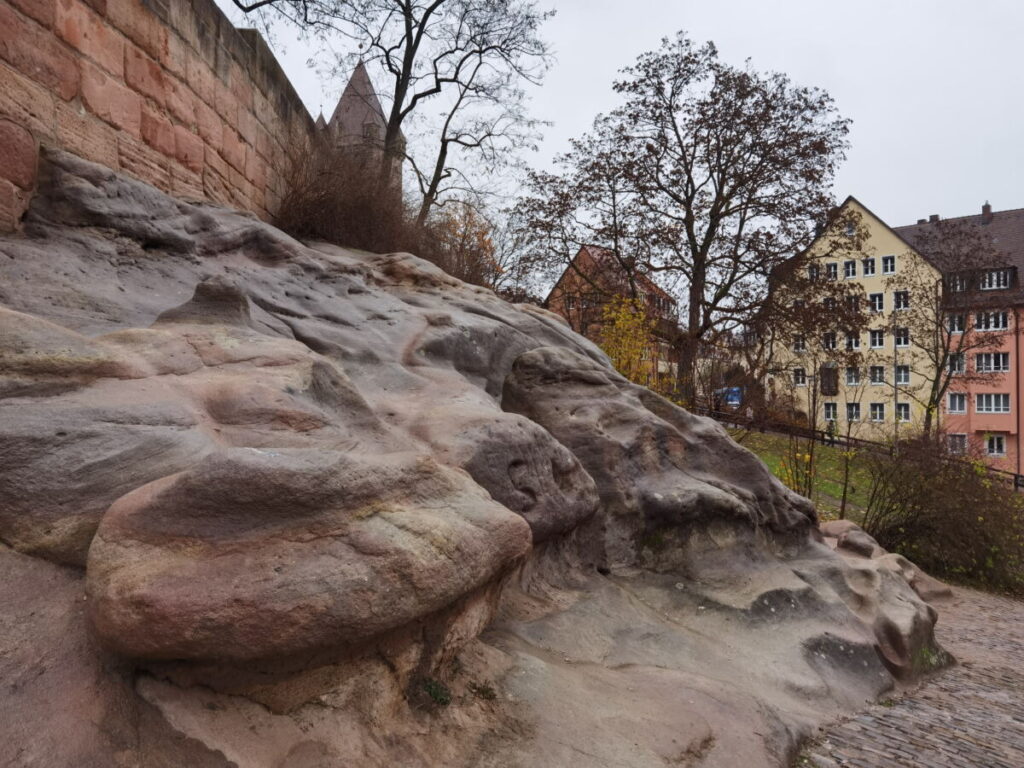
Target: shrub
pixel 951 515
pixel 334 195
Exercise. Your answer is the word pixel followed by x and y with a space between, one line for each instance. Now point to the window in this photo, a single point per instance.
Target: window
pixel 995 279
pixel 955 323
pixel 877 411
pixel 852 340
pixel 902 336
pixel 868 266
pixel 888 265
pixel 903 374
pixel 957 283
pixel 877 339
pixel 902 411
pixel 853 411
pixel 991 402
pixel 853 303
pixel 828 340
pixel 991 321
pixel 828 377
pixel 851 229
pixel 830 304
pixel 831 412
pixel 956 362
pixel 995 445
pixel 799 345
pixel 813 271
pixel 832 271
pixel 799 377
pixel 957 444
pixel 901 299
pixel 877 373
pixel 956 402
pixel 989 362
pixel 852 376
pixel 849 269
pixel 877 301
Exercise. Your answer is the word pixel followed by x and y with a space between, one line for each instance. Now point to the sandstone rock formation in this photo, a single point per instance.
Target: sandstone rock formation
pixel 265 503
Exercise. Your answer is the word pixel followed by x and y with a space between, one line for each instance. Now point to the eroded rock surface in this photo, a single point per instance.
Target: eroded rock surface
pixel 313 507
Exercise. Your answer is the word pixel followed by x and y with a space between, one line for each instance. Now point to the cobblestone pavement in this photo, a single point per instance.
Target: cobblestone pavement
pixel 969 716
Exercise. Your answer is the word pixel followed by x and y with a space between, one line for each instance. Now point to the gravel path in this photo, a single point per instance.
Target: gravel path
pixel 971 715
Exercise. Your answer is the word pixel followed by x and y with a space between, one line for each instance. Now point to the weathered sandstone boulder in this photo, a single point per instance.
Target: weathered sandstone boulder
pixel 308 507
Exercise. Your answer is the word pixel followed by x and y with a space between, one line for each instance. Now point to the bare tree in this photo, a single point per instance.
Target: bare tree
pixel 589 200
pixel 949 321
pixel 468 56
pixel 735 165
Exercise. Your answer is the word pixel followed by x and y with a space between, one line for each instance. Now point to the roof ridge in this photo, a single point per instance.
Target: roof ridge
pixel 958 218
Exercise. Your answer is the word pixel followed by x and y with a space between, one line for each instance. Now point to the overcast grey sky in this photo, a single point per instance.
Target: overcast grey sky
pixel 935 88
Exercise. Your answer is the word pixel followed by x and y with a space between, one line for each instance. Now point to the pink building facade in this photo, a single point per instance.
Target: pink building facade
pixel 983 415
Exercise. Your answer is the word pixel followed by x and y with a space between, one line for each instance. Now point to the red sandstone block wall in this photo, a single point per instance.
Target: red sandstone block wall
pixel 167 91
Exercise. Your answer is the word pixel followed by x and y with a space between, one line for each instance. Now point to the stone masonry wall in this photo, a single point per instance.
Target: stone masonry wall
pixel 168 91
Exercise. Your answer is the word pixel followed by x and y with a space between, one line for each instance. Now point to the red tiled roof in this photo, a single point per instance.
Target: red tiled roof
pixel 605 258
pixel 1005 228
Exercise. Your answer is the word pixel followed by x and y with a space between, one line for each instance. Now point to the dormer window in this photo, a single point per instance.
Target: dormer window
pixel 995 279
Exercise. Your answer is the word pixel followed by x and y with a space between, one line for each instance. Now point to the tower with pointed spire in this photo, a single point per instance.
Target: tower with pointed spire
pixel 358 124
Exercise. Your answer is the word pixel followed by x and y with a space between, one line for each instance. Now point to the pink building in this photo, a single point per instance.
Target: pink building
pixel 986 416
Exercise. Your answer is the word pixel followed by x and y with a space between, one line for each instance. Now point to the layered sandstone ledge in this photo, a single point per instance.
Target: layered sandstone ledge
pixel 269 503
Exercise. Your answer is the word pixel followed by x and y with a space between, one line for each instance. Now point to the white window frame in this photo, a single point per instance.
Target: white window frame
pixel 1002 443
pixel 901 381
pixel 897 335
pixel 872 415
pixel 828 336
pixel 957 363
pixel 994 280
pixel 813 271
pixel 880 302
pixel 867 266
pixel 832 270
pixel 881 338
pixel 834 408
pixel 897 304
pixel 849 269
pixel 903 412
pixel 950 408
pixel 989 399
pixel 983 321
pixel 799 377
pixel 848 411
pixel 956 323
pixel 852 341
pixel 888 265
pixel 854 380
pixel 985 362
pixel 799 343
pixel 871 375
pixel 961 450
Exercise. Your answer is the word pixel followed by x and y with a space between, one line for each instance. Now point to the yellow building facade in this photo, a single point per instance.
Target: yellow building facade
pixel 875 398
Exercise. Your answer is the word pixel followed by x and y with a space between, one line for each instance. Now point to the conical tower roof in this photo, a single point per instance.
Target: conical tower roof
pixel 358 106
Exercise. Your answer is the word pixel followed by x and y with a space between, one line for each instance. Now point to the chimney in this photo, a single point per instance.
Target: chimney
pixel 922 221
pixel 933 218
pixel 986 213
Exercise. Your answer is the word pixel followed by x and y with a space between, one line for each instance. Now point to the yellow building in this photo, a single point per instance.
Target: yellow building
pixel 874 398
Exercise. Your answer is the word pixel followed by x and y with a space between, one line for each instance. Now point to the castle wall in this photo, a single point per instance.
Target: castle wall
pixel 168 91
